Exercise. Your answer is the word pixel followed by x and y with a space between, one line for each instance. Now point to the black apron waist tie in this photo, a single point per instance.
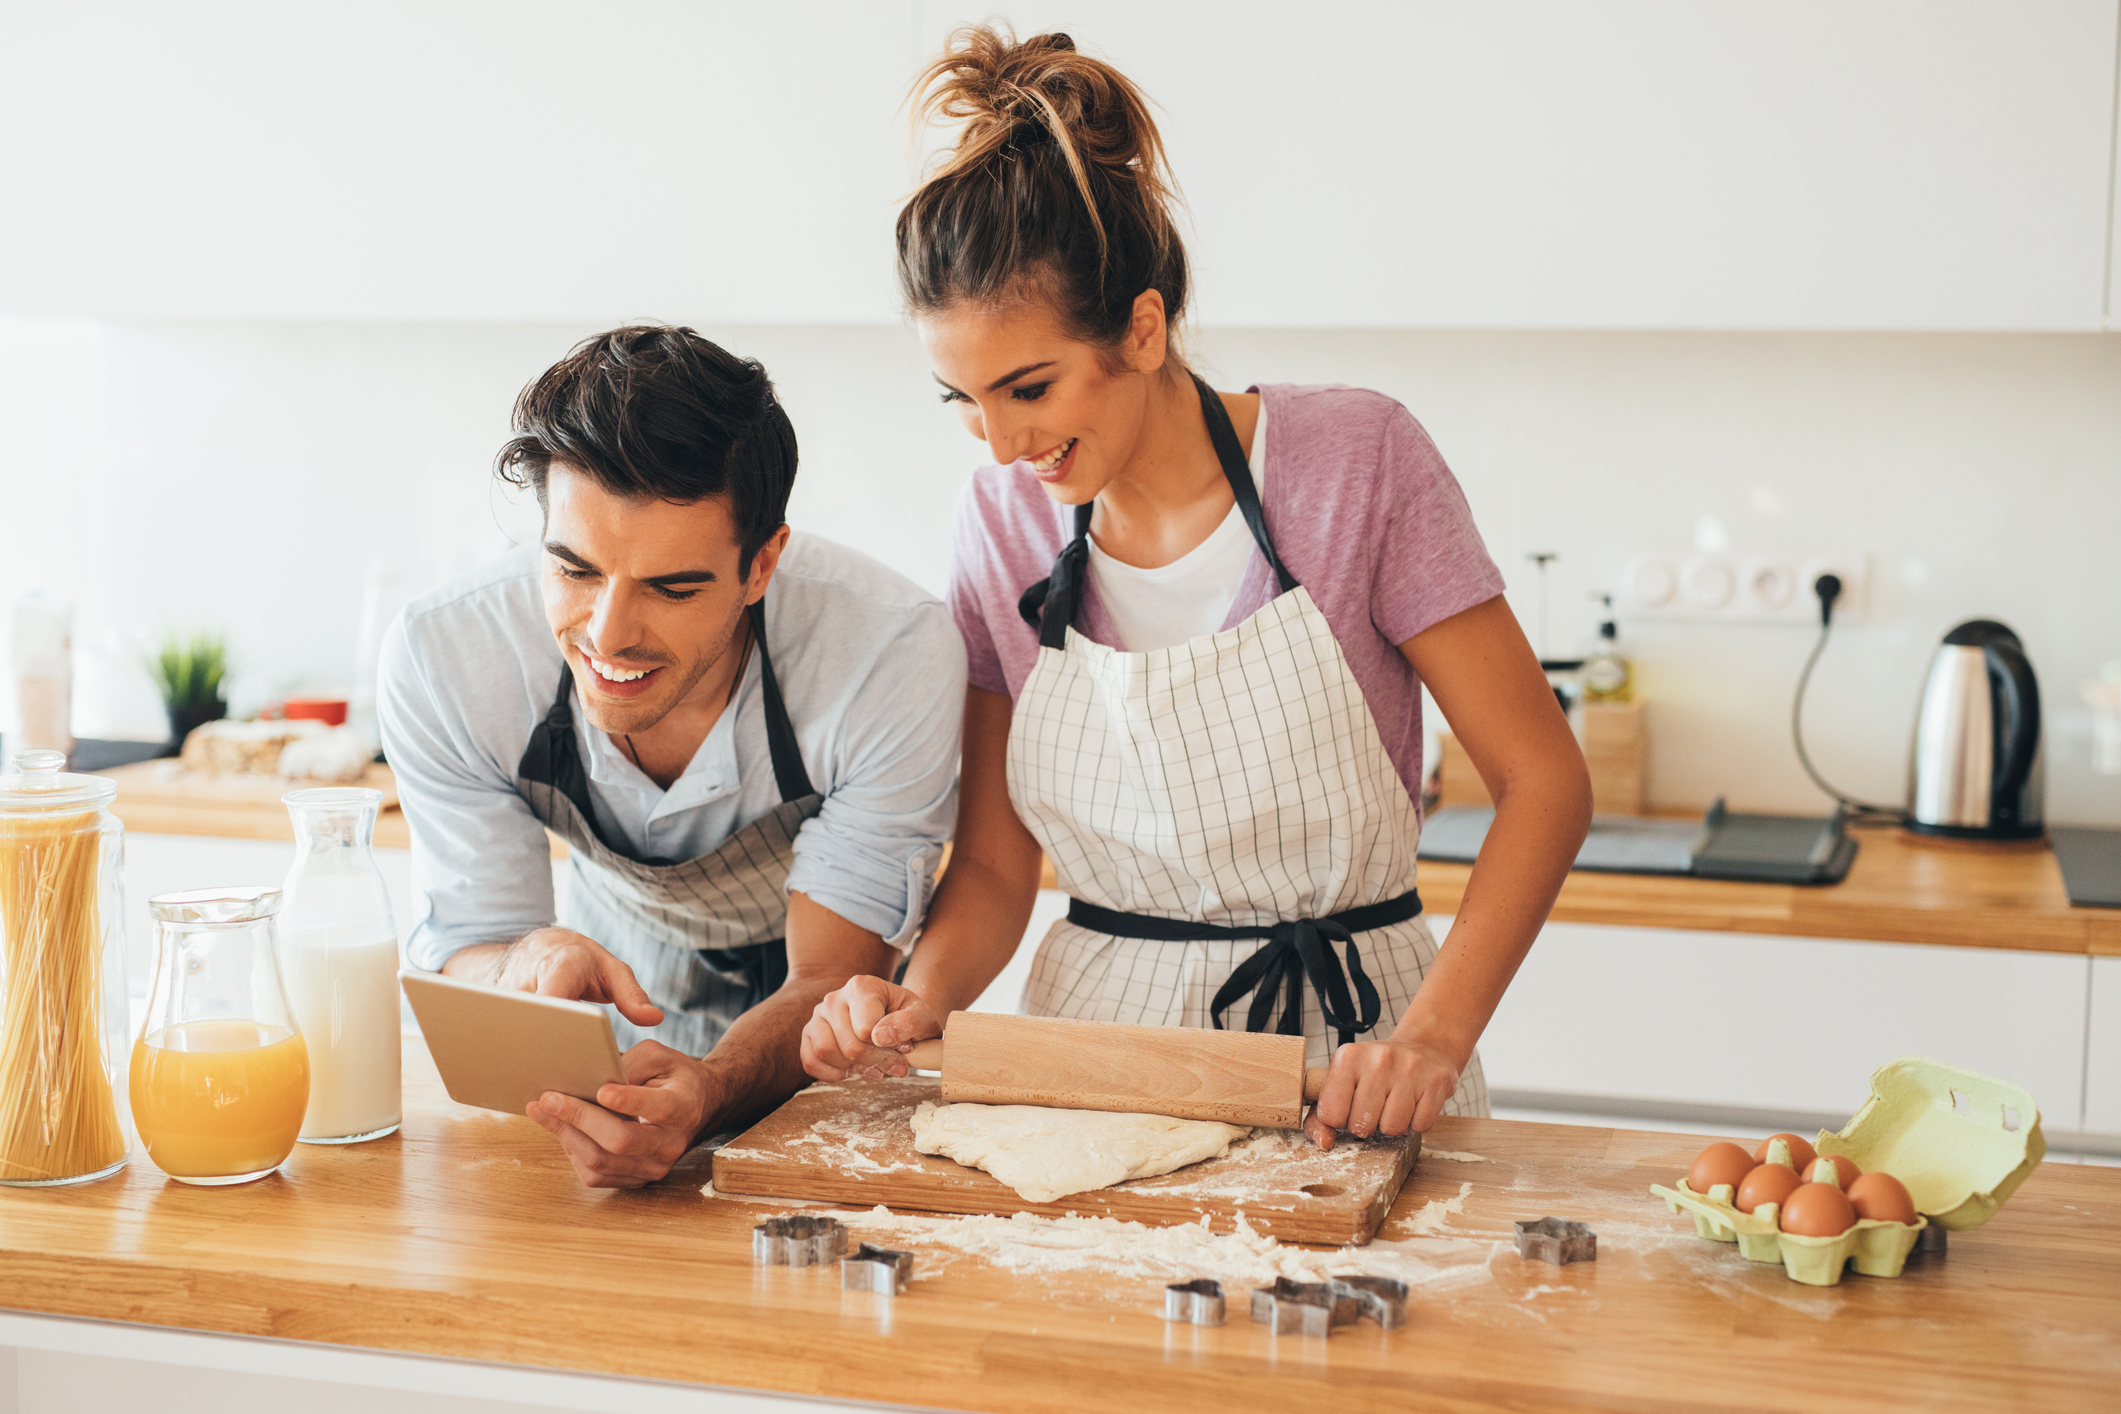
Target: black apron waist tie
pixel 1294 950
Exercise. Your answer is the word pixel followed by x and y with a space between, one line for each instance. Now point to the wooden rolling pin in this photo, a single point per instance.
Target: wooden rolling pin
pixel 1234 1076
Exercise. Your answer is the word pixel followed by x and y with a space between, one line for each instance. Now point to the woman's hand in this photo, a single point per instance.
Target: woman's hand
pixel 1382 1087
pixel 860 1029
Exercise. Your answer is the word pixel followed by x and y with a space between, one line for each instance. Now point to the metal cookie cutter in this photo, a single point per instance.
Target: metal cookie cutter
pixel 877 1269
pixel 1200 1302
pixel 1557 1240
pixel 798 1241
pixel 1380 1299
pixel 1312 1307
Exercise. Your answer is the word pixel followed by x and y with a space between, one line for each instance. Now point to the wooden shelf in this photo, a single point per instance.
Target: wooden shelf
pixel 467 1236
pixel 1902 888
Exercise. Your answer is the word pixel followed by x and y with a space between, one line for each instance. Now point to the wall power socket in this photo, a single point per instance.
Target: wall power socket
pixel 1735 587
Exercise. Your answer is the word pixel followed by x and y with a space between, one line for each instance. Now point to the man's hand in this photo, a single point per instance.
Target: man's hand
pixel 558 962
pixel 861 1028
pixel 636 1132
pixel 1382 1087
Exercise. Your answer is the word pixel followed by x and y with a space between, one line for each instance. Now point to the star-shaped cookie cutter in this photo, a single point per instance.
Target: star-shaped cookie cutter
pixel 877 1269
pixel 1314 1308
pixel 1200 1302
pixel 798 1240
pixel 1557 1240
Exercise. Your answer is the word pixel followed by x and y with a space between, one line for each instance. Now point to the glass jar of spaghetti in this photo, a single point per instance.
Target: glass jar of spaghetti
pixel 62 976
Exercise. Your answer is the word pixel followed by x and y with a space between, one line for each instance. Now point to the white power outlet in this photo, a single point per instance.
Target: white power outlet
pixel 1732 587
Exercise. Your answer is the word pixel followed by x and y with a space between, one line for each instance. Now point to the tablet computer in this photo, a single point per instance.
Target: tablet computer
pixel 500 1049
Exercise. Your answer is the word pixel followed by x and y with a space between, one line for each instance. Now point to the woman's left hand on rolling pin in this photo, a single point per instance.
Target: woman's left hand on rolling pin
pixel 858 1030
pixel 1381 1087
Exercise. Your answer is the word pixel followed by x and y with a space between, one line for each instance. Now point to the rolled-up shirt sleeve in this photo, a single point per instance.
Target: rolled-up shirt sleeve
pixel 871 851
pixel 481 866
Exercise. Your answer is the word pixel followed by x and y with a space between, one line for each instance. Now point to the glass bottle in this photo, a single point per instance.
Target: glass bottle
pixel 62 976
pixel 220 1075
pixel 1607 676
pixel 339 952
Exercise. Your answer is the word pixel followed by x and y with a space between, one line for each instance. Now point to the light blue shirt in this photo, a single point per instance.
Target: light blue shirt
pixel 872 672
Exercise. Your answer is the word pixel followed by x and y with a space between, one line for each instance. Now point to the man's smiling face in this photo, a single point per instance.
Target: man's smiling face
pixel 643 595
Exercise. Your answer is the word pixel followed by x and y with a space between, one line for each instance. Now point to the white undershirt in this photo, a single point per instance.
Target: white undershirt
pixel 1190 597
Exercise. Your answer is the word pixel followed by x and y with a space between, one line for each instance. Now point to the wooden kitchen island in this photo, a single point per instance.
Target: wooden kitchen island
pixel 466 1237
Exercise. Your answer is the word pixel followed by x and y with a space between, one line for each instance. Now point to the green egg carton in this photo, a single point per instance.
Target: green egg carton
pixel 1878 1248
pixel 1959 1141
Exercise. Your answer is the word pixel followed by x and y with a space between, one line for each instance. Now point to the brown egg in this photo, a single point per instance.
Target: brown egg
pixel 1817 1210
pixel 1719 1163
pixel 1845 1170
pixel 1801 1153
pixel 1883 1197
pixel 1767 1183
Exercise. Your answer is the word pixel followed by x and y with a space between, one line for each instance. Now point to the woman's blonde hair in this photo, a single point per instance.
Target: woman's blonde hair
pixel 1057 187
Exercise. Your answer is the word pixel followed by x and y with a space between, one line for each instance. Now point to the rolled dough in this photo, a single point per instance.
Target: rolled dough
pixel 1045 1154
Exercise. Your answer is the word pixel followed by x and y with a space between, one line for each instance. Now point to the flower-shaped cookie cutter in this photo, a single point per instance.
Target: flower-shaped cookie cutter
pixel 1557 1240
pixel 798 1240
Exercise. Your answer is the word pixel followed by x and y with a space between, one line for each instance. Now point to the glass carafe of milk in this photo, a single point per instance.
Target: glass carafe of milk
pixel 339 956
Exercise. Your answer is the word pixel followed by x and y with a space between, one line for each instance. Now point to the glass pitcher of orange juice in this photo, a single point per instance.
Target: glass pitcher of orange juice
pixel 220 1075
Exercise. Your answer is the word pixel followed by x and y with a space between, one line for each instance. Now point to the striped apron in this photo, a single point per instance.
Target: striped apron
pixel 1224 817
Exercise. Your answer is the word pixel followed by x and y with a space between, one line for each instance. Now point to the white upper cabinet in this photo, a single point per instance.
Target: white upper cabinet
pixel 449 160
pixel 1806 164
pixel 1630 164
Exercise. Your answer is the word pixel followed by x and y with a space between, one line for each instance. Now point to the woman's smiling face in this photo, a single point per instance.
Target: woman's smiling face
pixel 1068 412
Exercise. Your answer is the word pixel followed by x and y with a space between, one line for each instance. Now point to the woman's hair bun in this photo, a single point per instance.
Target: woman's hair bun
pixel 1052 146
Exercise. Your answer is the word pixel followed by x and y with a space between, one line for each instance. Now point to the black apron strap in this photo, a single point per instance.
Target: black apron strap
pixel 788 772
pixel 1294 951
pixel 1061 592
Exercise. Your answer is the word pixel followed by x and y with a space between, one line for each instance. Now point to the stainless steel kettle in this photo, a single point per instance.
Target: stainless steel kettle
pixel 1977 771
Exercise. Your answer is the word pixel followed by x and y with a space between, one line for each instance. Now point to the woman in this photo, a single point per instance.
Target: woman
pixel 1198 624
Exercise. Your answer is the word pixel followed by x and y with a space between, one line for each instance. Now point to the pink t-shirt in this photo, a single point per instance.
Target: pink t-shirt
pixel 1359 504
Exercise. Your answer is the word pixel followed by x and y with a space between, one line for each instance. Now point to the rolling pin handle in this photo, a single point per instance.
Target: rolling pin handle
pixel 1314 1084
pixel 926 1055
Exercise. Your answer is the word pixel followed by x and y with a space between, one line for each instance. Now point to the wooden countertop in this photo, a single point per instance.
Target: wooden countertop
pixel 466 1236
pixel 1902 888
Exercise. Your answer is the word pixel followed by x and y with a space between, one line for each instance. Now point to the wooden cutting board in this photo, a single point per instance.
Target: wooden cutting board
pixel 852 1144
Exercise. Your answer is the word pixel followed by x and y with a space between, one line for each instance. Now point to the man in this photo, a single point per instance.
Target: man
pixel 741 734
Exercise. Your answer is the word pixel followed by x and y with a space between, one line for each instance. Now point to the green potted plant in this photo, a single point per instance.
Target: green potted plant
pixel 188 672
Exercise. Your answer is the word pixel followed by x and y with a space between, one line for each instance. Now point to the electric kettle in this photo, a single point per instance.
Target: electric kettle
pixel 1977 771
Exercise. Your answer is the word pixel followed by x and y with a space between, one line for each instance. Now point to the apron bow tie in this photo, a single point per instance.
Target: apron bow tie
pixel 1294 951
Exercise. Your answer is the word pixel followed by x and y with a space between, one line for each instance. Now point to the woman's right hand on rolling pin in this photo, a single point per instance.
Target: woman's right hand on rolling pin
pixel 859 1030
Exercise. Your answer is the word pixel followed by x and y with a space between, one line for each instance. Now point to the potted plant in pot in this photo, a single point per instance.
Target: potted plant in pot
pixel 188 671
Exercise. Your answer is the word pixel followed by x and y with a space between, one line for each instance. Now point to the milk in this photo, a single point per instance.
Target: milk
pixel 345 998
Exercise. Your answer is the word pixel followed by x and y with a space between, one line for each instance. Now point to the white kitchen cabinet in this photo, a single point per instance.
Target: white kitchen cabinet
pixel 466 160
pixel 2102 1052
pixel 1628 164
pixel 1782 1024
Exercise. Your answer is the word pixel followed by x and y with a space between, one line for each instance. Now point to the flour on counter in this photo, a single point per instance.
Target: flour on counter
pixel 1434 1212
pixel 1026 1243
pixel 1456 1155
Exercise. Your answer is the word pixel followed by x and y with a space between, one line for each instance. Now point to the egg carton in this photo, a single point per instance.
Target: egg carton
pixel 1878 1248
pixel 1960 1142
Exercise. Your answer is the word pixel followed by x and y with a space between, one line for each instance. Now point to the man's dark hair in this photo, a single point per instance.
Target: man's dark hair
pixel 654 410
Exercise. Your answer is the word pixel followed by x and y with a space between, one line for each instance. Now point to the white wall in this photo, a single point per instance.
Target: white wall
pixel 248 475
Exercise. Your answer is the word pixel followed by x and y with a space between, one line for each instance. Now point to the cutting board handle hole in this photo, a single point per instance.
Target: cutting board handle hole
pixel 1322 1190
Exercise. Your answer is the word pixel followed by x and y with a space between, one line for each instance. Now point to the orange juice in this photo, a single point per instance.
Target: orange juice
pixel 219 1101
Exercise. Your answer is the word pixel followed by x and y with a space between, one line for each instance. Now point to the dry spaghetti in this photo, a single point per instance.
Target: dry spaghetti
pixel 58 1112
